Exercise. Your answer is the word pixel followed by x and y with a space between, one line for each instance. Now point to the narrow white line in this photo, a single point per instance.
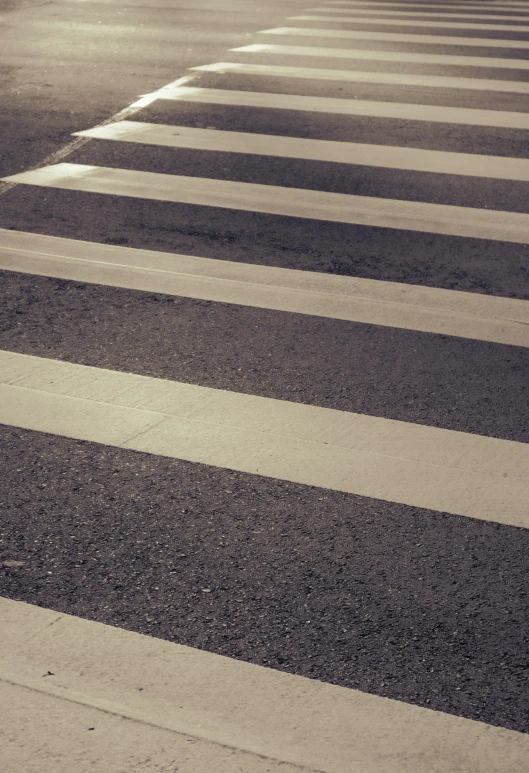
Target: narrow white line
pixel 449 6
pixel 353 107
pixel 360 76
pixel 289 202
pixel 390 304
pixel 209 697
pixel 414 23
pixel 395 37
pixel 442 470
pixel 415 13
pixel 386 56
pixel 385 156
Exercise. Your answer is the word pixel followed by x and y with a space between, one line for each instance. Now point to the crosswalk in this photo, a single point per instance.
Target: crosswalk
pixel 383 55
pixel 294 301
pixel 397 37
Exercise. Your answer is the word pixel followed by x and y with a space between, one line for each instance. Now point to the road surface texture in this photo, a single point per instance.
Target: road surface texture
pixel 264 357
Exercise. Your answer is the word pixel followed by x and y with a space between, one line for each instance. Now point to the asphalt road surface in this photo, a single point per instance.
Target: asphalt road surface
pixel 329 214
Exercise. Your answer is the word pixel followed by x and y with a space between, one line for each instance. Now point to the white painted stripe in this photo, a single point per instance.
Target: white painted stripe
pixel 385 156
pixel 386 56
pixel 413 23
pixel 172 694
pixel 412 464
pixel 360 76
pixel 415 13
pixel 390 304
pixel 289 202
pixel 396 37
pixel 404 111
pixel 449 6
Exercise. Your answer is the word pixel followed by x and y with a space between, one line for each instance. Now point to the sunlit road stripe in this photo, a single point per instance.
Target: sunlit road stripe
pixel 412 464
pixel 386 156
pixel 415 13
pixel 353 107
pixel 385 56
pixel 396 37
pixel 359 76
pixel 516 7
pixel 390 304
pixel 237 715
pixel 413 23
pixel 288 202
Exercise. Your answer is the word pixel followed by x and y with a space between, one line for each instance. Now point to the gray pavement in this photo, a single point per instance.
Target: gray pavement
pixel 408 603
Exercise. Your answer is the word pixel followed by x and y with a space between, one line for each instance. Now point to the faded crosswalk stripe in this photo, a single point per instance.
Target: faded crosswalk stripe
pixel 395 37
pixel 437 469
pixel 390 304
pixel 360 76
pixel 414 23
pixel 273 721
pixel 384 156
pixel 384 56
pixel 290 202
pixel 338 14
pixel 516 7
pixel 400 110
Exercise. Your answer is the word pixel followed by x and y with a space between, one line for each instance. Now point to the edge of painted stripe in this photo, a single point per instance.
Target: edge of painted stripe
pixel 250 708
pixel 361 76
pixel 396 37
pixel 438 23
pixel 370 301
pixel 446 60
pixel 308 204
pixel 412 464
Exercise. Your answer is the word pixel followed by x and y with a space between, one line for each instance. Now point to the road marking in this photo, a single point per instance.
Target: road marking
pixel 285 719
pixel 397 37
pixel 412 464
pixel 369 301
pixel 516 7
pixel 386 56
pixel 415 13
pixel 354 107
pixel 359 76
pixel 72 147
pixel 362 154
pixel 413 23
pixel 289 202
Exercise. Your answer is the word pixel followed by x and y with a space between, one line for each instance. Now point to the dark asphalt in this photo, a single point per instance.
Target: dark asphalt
pixel 67 65
pixel 401 184
pixel 454 383
pixel 353 591
pixel 474 265
pixel 416 95
pixel 412 604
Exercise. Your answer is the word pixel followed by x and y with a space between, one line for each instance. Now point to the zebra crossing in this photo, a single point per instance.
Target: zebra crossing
pixel 383 55
pixel 291 208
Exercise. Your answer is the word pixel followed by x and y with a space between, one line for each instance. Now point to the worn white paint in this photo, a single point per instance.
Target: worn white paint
pixel 290 202
pixel 421 13
pixel 385 56
pixel 390 304
pixel 412 464
pixel 152 702
pixel 516 7
pixel 361 76
pixel 396 37
pixel 413 23
pixel 385 156
pixel 399 110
